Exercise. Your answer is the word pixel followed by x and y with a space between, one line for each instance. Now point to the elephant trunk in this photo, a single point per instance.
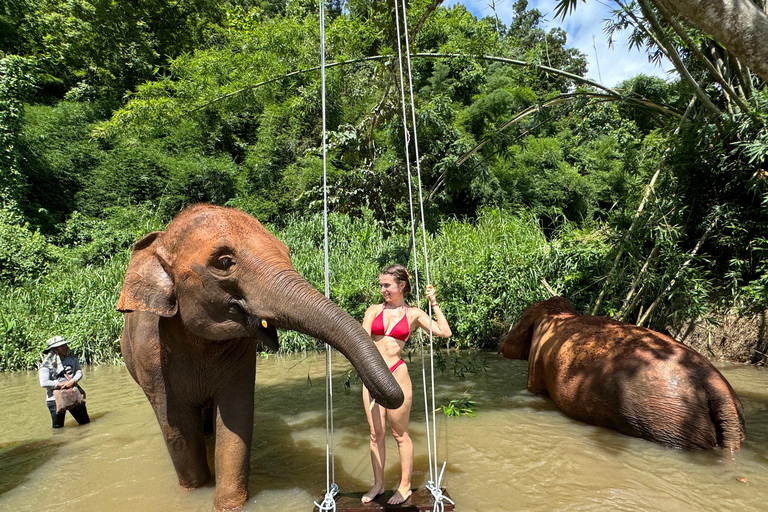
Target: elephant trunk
pixel 304 309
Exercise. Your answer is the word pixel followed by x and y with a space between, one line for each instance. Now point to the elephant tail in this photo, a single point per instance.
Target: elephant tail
pixel 726 412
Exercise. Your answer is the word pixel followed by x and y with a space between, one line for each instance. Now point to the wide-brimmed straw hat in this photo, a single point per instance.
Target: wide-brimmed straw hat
pixel 54 342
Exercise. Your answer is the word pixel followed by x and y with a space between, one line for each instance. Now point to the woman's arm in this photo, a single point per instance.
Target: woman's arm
pixel 44 375
pixel 441 328
pixel 370 314
pixel 78 373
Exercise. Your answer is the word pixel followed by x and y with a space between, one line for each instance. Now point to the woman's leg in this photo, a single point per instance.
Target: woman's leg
pixel 80 413
pixel 57 419
pixel 398 423
pixel 376 420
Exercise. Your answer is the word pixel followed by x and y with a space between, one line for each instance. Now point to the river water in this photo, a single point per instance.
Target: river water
pixel 518 453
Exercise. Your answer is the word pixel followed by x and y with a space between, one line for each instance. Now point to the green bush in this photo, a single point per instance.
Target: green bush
pixel 75 301
pixel 486 272
pixel 59 155
pixel 97 240
pixel 24 254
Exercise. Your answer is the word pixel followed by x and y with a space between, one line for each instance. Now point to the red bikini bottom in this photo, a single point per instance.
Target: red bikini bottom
pixel 394 366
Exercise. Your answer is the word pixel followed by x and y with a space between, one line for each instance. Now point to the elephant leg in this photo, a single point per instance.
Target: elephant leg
pixel 182 428
pixel 208 419
pixel 234 430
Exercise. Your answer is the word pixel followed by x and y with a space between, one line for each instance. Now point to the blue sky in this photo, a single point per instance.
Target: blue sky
pixel 584 28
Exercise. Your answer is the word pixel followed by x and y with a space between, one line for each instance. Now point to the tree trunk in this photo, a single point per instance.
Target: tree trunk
pixel 739 25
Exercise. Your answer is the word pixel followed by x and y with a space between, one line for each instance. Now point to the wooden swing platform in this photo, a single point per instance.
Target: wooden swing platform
pixel 420 500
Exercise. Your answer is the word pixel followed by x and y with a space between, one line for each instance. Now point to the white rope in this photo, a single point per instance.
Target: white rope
pixel 407 137
pixel 423 228
pixel 329 503
pixel 437 493
pixel 434 484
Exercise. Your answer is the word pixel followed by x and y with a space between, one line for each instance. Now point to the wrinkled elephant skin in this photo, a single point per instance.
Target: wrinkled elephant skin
pixel 198 298
pixel 629 378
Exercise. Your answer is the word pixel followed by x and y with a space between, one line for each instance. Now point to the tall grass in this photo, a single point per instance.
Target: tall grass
pixel 73 301
pixel 486 272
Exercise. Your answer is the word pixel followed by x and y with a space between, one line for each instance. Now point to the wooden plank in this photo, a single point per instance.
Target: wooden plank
pixel 420 500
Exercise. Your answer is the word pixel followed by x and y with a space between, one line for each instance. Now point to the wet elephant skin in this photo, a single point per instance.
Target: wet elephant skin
pixel 628 378
pixel 198 298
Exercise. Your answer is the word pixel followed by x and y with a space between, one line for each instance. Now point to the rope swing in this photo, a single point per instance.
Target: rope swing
pixel 435 479
pixel 332 490
pixel 434 484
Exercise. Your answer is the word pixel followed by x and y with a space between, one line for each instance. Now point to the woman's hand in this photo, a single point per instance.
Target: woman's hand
pixel 441 328
pixel 430 293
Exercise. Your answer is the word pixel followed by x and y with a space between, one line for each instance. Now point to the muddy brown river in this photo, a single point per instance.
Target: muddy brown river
pixel 518 453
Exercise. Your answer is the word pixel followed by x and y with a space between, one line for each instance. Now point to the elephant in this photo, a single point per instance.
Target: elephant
pixel 198 298
pixel 624 377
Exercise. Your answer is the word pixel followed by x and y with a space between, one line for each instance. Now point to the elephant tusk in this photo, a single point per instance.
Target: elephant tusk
pixel 264 324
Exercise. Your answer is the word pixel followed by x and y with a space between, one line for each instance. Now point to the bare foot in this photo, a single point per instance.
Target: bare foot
pixel 376 490
pixel 399 497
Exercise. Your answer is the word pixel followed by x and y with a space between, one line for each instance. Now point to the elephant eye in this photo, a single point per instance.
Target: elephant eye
pixel 224 263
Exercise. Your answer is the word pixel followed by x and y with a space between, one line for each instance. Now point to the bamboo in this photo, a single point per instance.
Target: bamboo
pixel 687 262
pixel 717 75
pixel 638 297
pixel 624 307
pixel 549 288
pixel 563 98
pixel 640 208
pixel 624 240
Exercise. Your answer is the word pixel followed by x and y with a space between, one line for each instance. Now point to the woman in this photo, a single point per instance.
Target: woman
pixel 390 325
pixel 61 370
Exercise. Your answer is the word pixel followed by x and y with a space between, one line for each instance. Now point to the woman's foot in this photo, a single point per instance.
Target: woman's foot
pixel 376 490
pixel 400 496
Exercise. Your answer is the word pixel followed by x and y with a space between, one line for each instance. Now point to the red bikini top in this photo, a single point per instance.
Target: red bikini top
pixel 400 331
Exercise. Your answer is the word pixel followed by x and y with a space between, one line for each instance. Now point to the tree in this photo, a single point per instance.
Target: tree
pixel 739 25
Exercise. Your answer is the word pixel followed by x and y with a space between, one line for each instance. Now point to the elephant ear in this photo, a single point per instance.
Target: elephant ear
pixel 517 342
pixel 147 285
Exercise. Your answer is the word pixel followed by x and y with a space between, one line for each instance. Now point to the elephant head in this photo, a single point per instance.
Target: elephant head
pixel 517 343
pixel 228 278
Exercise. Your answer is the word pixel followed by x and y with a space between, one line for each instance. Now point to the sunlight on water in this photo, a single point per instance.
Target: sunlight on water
pixel 519 453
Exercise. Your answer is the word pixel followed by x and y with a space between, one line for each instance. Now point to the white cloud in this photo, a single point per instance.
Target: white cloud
pixel 584 29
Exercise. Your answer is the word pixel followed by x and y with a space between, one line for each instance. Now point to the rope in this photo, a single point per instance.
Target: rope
pixel 329 503
pixel 407 137
pixel 437 493
pixel 433 484
pixel 423 230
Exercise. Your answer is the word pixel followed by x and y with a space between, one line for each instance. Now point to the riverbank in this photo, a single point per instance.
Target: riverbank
pixel 728 337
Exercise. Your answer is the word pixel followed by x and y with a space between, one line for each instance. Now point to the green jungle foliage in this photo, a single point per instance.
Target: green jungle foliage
pixel 646 201
pixel 75 295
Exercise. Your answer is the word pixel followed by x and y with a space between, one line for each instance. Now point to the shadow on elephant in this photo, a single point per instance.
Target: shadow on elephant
pixel 624 377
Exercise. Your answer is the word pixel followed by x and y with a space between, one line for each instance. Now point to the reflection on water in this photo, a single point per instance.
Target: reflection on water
pixel 519 453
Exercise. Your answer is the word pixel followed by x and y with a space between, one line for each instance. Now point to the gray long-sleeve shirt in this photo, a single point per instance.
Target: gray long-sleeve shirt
pixel 49 379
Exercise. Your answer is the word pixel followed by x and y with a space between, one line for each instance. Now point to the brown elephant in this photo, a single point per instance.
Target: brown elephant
pixel 198 298
pixel 629 378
